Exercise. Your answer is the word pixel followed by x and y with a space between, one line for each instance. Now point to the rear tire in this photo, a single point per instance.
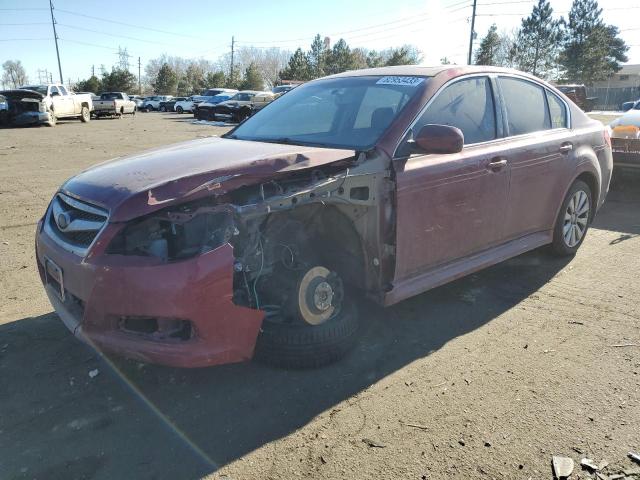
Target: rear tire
pixel 573 220
pixel 163 109
pixel 85 115
pixel 179 110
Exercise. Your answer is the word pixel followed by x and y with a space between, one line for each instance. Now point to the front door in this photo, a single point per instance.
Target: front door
pixel 451 206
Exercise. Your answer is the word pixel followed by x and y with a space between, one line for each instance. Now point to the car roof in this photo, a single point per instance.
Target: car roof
pixel 427 71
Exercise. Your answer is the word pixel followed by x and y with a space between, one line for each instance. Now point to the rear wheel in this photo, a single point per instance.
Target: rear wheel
pixel 85 114
pixel 573 220
pixel 179 109
pixel 163 108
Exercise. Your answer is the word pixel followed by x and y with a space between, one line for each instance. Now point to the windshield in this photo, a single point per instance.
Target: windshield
pixel 42 89
pixel 219 98
pixel 351 112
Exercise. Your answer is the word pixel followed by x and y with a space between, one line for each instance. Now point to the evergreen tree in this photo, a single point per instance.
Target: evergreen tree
pixel 252 79
pixel 402 56
pixel 118 80
pixel 214 79
pixel 299 67
pixel 340 58
pixel 538 41
pixel 317 57
pixel 487 54
pixel 92 84
pixel 591 50
pixel 166 81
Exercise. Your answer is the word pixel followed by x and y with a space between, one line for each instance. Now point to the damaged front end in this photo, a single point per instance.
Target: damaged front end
pixel 24 107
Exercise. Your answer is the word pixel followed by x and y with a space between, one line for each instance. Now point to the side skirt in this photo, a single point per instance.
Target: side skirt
pixel 464 266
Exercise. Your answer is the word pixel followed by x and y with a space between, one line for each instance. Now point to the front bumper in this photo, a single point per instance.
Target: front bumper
pixel 29 118
pixel 102 290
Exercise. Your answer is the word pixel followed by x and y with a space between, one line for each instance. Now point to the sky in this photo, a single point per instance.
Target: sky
pixel 90 33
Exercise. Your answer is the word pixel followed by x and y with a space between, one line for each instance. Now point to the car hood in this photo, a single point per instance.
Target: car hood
pixel 631 118
pixel 139 184
pixel 20 94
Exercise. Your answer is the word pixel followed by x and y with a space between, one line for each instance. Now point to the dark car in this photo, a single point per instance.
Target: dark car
pixel 634 105
pixel 169 105
pixel 382 183
pixel 578 94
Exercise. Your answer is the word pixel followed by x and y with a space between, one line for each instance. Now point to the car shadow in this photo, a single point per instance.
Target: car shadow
pixel 67 412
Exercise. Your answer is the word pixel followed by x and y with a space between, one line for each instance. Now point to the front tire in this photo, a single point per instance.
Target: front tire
pixel 85 115
pixel 52 119
pixel 163 109
pixel 573 219
pixel 317 328
pixel 179 110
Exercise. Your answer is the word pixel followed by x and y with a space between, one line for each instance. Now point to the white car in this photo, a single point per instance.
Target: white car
pixel 153 103
pixel 185 105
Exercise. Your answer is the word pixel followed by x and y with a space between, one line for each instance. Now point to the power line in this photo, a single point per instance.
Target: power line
pixel 22 39
pixel 115 35
pixel 22 24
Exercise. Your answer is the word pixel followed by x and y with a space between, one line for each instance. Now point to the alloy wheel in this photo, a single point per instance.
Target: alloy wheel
pixel 576 219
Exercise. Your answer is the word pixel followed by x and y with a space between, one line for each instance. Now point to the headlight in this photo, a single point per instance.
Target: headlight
pixel 175 234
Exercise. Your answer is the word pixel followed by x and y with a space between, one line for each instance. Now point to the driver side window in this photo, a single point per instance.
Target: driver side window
pixel 467 104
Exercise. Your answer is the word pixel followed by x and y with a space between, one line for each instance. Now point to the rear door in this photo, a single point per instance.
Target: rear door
pixel 451 206
pixel 536 123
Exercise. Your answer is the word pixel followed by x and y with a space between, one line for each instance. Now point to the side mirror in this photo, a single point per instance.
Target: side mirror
pixel 438 139
pixel 55 94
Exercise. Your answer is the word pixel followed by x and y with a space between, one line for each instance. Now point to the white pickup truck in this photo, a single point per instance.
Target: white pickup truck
pixel 113 104
pixel 55 102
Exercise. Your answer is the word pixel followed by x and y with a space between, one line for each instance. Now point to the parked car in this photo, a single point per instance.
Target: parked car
pixel 578 94
pixel 282 89
pixel 242 105
pixel 153 103
pixel 204 110
pixel 382 183
pixel 138 100
pixel 212 92
pixel 45 104
pixel 634 105
pixel 184 105
pixel 114 104
pixel 169 105
pixel 625 140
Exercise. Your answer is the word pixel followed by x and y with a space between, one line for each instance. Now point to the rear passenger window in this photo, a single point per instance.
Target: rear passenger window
pixel 526 106
pixel 557 111
pixel 468 105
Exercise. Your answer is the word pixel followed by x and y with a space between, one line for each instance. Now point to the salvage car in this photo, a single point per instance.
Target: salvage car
pixel 169 105
pixel 242 105
pixel 625 141
pixel 153 103
pixel 114 104
pixel 44 104
pixel 380 183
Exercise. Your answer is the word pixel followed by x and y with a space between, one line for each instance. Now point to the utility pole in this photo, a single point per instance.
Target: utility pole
pixel 93 70
pixel 473 33
pixel 139 77
pixel 233 41
pixel 55 36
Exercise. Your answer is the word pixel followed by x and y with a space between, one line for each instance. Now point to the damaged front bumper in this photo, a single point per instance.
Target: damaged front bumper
pixel 178 314
pixel 26 118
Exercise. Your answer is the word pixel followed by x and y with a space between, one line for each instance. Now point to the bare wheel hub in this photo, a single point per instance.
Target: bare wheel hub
pixel 319 295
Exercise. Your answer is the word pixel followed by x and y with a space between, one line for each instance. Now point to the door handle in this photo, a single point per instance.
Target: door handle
pixel 566 147
pixel 497 163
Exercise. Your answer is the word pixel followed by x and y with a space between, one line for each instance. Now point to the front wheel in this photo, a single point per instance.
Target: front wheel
pixel 51 122
pixel 85 115
pixel 163 109
pixel 573 219
pixel 179 109
pixel 318 327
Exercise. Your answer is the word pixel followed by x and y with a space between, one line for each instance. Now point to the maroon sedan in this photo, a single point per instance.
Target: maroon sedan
pixel 383 182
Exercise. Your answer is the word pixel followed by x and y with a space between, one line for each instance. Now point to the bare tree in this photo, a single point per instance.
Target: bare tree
pixel 14 74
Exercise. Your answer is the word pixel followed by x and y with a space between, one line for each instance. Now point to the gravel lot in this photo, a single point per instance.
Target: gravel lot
pixel 487 377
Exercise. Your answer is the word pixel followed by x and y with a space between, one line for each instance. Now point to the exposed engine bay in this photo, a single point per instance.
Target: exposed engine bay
pixel 301 241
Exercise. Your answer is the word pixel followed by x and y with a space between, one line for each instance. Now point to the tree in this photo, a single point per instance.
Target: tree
pixel 339 58
pixel 92 84
pixel 445 61
pixel 591 50
pixel 252 79
pixel 166 81
pixel 298 68
pixel 488 52
pixel 317 57
pixel 538 40
pixel 405 55
pixel 14 74
pixel 214 79
pixel 118 80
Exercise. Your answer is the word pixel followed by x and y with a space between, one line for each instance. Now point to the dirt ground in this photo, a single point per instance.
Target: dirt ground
pixel 486 377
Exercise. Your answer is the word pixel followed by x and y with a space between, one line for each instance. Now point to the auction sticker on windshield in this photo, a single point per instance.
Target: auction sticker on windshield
pixel 395 80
